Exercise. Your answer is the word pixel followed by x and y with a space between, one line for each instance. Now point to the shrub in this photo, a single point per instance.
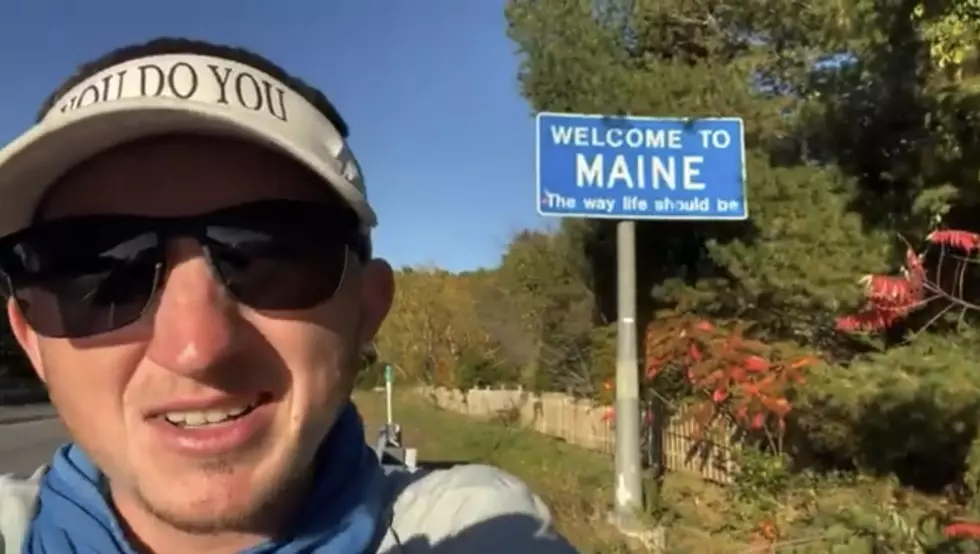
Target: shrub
pixel 912 411
pixel 478 369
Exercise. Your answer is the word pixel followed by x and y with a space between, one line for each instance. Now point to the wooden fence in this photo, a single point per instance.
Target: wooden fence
pixel 670 445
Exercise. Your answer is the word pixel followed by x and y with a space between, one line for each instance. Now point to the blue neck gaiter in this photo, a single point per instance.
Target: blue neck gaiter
pixel 345 512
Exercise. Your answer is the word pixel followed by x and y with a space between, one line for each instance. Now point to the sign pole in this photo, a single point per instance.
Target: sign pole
pixel 611 167
pixel 628 485
pixel 389 392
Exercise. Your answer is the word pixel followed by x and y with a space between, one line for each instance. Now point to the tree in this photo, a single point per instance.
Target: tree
pixel 433 325
pixel 541 312
pixel 791 264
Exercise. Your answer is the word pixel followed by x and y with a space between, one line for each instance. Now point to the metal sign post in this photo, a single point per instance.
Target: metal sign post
pixel 389 384
pixel 629 169
pixel 629 485
pixel 390 440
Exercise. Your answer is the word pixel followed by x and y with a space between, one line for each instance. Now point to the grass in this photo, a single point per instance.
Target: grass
pixel 813 514
pixel 574 482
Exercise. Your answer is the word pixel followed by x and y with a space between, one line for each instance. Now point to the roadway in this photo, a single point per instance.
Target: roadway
pixel 28 436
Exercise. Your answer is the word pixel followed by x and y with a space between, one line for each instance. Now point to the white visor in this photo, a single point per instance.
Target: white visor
pixel 174 93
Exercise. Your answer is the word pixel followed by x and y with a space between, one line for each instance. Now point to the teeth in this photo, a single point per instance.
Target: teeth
pixel 209 417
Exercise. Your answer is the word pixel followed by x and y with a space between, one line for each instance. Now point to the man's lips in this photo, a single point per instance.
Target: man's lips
pixel 209 432
pixel 207 404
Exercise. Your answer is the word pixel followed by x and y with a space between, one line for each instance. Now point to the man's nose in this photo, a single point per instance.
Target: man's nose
pixel 195 320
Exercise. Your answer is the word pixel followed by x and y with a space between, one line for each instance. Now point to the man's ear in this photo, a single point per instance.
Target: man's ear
pixel 377 295
pixel 25 335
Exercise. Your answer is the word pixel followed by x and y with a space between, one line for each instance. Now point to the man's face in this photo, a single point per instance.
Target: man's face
pixel 196 345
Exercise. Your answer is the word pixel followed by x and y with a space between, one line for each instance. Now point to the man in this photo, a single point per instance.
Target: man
pixel 186 251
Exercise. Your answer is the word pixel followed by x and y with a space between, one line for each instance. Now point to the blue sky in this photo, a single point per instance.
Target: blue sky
pixel 429 88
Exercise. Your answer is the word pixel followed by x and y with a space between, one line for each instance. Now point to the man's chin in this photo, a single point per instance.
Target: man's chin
pixel 243 491
pixel 218 503
pixel 212 496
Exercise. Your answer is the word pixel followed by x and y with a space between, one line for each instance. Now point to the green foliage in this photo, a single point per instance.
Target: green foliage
pixel 370 376
pixel 602 355
pixel 478 370
pixel 541 312
pixel 795 262
pixel 912 410
pixel 857 133
pixel 951 31
pixel 761 479
pixel 862 126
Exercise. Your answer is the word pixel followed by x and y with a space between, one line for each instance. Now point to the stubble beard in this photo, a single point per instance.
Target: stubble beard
pixel 254 517
pixel 270 502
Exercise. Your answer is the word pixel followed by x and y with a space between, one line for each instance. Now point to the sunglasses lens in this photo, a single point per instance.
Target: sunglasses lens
pixel 69 283
pixel 280 268
pixel 85 276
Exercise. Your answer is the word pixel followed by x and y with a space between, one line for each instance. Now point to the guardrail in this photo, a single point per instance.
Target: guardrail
pixel 23 395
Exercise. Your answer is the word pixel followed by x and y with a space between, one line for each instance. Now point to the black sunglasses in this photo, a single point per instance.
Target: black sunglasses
pixel 83 276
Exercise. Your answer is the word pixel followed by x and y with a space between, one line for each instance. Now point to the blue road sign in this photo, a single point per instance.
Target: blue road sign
pixel 640 168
